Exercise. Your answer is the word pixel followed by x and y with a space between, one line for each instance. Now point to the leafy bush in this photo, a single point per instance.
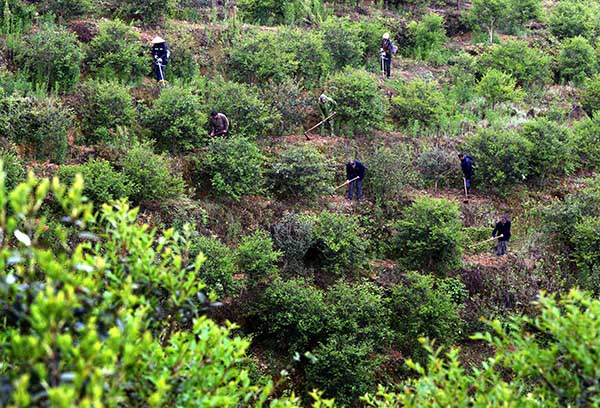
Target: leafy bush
pixel 497 87
pixel 218 269
pixel 176 119
pixel 288 105
pixel 340 246
pixel 586 246
pixel 113 295
pixel 51 58
pixel 577 60
pixel 150 175
pixel 65 9
pixel 116 52
pixel 344 370
pixel 290 313
pixel 235 167
pixel 529 66
pixel 590 98
pixel 572 18
pixel 343 40
pixel 256 257
pixel 39 125
pixel 424 306
pixel 148 12
pixel 528 348
pixel 552 153
pixel 586 142
pixel 360 104
pixel 300 172
pixel 428 37
pixel 429 236
pixel 16 16
pixel 293 235
pixel 391 171
pixel 12 167
pixel 102 182
pixel 248 114
pixel 104 107
pixel 435 164
pixel 502 157
pixel 267 12
pixel 417 101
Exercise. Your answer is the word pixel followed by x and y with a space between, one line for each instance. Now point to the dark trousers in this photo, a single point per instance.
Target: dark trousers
pixel 358 185
pixel 502 248
pixel 159 72
pixel 387 64
pixel 468 182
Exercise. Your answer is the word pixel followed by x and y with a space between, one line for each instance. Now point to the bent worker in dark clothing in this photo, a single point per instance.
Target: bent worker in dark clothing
pixel 355 169
pixel 502 230
pixel 160 54
pixel 219 124
pixel 466 163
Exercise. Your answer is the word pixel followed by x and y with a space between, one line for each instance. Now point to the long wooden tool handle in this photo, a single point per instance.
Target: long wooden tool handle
pixel 321 122
pixel 487 240
pixel 465 184
pixel 346 183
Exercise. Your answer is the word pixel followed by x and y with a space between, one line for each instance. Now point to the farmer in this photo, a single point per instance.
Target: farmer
pixel 355 169
pixel 502 230
pixel 466 163
pixel 326 108
pixel 219 124
pixel 160 55
pixel 387 49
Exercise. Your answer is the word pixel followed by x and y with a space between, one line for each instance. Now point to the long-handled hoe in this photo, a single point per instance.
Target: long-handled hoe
pixel 487 240
pixel 345 184
pixel 319 124
pixel 466 200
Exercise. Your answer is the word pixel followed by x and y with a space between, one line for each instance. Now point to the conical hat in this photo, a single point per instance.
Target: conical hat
pixel 158 40
pixel 386 36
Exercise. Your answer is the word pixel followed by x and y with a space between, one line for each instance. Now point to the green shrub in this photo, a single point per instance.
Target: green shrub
pixel 340 246
pixel 248 114
pixel 429 236
pixel 551 155
pixel 529 66
pixel 104 107
pixel 16 16
pixel 116 52
pixel 343 40
pixel 288 105
pixel 150 175
pixel 417 101
pixel 577 60
pixel 436 164
pixel 573 18
pixel 293 235
pixel 497 87
pixel 586 142
pixel 290 313
pixel 428 37
pixel 310 50
pixel 268 12
pixel 13 168
pixel 51 57
pixel 176 119
pixel 360 103
pixel 590 98
pixel 390 171
pixel 39 125
pixel 300 172
pixel 424 306
pixel 235 167
pixel 148 12
pixel 502 157
pixel 345 370
pixel 586 244
pixel 256 257
pixel 65 9
pixel 186 56
pixel 490 15
pixel 102 182
pixel 218 269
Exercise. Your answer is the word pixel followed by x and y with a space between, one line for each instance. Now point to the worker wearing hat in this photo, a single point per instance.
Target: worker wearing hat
pixel 386 54
pixel 160 55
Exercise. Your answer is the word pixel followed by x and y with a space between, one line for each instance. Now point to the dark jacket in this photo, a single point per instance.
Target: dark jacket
pixel 161 51
pixel 386 44
pixel 502 229
pixel 358 171
pixel 219 125
pixel 467 166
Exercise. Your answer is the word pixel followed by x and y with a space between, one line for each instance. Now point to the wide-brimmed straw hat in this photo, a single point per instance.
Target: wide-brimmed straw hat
pixel 158 40
pixel 386 36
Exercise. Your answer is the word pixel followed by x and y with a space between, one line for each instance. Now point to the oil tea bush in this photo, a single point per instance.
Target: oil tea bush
pixel 218 270
pixel 117 53
pixel 12 167
pixel 577 60
pixel 256 257
pixel 65 9
pixel 391 171
pixel 288 105
pixel 428 36
pixel 572 18
pixel 360 103
pixel 235 167
pixel 293 235
pixel 429 236
pixel 104 107
pixel 586 142
pixel 300 172
pixel 51 57
pixel 268 12
pixel 148 12
pixel 344 43
pixel 417 101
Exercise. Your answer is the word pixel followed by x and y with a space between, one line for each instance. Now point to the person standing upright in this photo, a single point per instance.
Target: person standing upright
pixel 387 49
pixel 355 173
pixel 160 55
pixel 466 164
pixel 502 230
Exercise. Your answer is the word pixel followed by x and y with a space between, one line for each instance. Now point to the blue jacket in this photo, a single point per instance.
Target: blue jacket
pixel 161 50
pixel 358 171
pixel 467 166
